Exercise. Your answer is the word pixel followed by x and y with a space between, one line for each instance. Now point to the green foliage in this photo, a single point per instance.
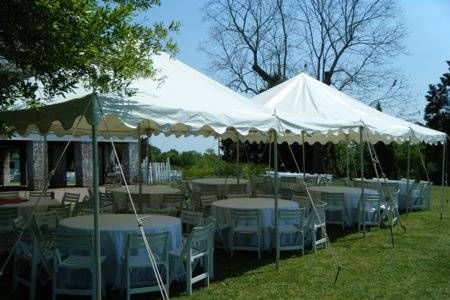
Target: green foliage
pixel 195 164
pixel 56 44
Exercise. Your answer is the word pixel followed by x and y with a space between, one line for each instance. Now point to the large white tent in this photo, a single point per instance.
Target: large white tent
pixel 182 102
pixel 311 99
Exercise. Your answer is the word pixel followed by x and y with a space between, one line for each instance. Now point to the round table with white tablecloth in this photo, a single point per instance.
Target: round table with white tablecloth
pixel 221 210
pixel 24 209
pixel 220 183
pixel 351 198
pixel 114 230
pixel 152 195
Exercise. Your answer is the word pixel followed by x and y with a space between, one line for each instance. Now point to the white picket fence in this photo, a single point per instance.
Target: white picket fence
pixel 159 172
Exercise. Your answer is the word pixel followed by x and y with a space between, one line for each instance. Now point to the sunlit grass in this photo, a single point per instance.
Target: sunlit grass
pixel 417 268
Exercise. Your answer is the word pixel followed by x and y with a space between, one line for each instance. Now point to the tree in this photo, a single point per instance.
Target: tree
pixel 257 44
pixel 437 110
pixel 54 45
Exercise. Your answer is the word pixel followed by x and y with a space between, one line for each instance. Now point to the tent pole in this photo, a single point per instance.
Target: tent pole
pixel 347 157
pixel 97 246
pixel 140 168
pixel 237 160
pixel 303 156
pixel 361 157
pixel 218 146
pixel 408 169
pixel 443 183
pixel 275 165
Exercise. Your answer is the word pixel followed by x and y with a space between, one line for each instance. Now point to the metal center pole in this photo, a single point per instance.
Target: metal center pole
pixel 275 166
pixel 361 154
pixel 347 157
pixel 408 168
pixel 304 156
pixel 238 173
pixel 443 183
pixel 140 169
pixel 97 246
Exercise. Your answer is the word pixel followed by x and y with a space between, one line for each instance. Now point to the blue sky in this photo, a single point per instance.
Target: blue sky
pixel 427 47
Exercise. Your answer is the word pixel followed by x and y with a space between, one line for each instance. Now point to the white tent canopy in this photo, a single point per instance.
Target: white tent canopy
pixel 183 102
pixel 310 99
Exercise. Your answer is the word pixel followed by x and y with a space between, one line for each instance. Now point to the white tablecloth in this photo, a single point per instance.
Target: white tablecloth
pixel 351 198
pixel 114 230
pixel 221 184
pixel 24 209
pixel 221 210
pixel 152 193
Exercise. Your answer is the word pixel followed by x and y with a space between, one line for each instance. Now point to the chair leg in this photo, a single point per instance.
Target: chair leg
pixel 313 239
pixel 33 279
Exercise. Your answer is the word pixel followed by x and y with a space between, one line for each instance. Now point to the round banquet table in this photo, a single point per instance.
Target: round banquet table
pixel 152 194
pixel 221 184
pixel 24 209
pixel 114 230
pixel 351 198
pixel 221 210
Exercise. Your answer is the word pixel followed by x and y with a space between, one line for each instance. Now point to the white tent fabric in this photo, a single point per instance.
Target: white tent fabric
pixel 184 102
pixel 311 99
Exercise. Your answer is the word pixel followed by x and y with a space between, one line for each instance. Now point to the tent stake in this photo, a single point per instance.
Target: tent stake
pixel 97 246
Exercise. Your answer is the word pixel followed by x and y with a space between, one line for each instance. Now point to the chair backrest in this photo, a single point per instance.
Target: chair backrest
pixel 110 186
pixel 78 244
pixel 190 219
pixel 207 201
pixel 62 211
pixel 302 200
pixel 333 200
pixel 292 216
pixel 103 210
pixel 371 200
pixel 158 241
pixel 199 239
pixel 320 208
pixel 237 189
pixel 46 223
pixel 245 216
pixel 70 198
pixel 311 179
pixel 7 216
pixel 34 195
pixel 286 193
pixel 78 207
pixel 105 198
pixel 288 179
pixel 173 201
pixel 9 195
pixel 208 189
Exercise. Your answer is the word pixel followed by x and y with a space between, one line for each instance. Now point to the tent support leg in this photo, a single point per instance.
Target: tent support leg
pixel 303 156
pixel 140 177
pixel 408 169
pixel 443 183
pixel 275 165
pixel 347 158
pixel 238 175
pixel 361 156
pixel 97 246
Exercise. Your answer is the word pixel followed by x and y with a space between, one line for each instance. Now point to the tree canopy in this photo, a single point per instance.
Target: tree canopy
pixel 437 111
pixel 53 45
pixel 254 45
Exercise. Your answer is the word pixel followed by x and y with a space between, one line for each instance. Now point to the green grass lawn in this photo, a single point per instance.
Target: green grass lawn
pixel 417 268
